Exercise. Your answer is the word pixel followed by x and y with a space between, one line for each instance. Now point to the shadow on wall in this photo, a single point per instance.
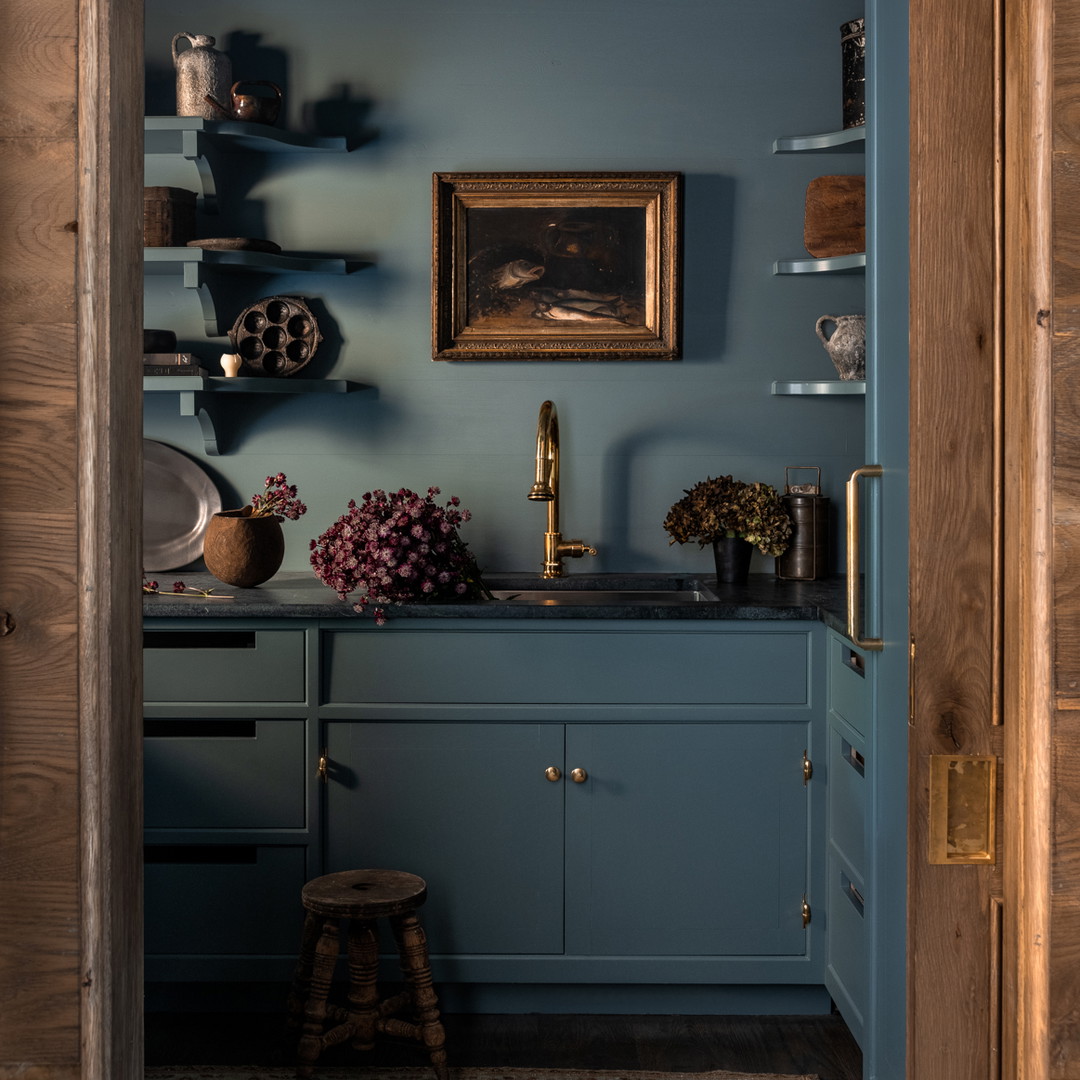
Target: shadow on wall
pixel 709 201
pixel 344 112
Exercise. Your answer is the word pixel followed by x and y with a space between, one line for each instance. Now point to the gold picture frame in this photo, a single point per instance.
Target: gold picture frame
pixel 555 266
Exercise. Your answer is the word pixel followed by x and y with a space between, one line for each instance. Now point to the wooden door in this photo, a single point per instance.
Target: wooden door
pixel 995 506
pixel 69 619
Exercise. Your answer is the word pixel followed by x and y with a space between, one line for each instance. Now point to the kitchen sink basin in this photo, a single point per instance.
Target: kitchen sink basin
pixel 562 596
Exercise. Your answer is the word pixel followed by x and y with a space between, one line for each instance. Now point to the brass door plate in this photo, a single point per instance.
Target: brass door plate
pixel 963 802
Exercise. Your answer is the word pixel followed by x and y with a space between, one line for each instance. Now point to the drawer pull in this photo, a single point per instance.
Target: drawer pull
pixel 200 729
pixel 853 894
pixel 855 661
pixel 195 854
pixel 853 757
pixel 199 639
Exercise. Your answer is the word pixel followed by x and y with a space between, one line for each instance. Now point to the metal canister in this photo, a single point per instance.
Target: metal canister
pixel 807 556
pixel 853 57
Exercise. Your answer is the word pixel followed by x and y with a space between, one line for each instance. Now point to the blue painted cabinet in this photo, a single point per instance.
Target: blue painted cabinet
pixel 588 805
pixel 679 840
pixel 591 803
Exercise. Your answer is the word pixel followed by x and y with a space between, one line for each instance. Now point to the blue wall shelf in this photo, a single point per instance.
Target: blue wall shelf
pixel 195 392
pixel 846 141
pixel 839 264
pixel 200 269
pixel 821 387
pixel 201 141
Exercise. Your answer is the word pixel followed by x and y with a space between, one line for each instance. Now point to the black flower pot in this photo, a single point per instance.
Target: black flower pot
pixel 732 554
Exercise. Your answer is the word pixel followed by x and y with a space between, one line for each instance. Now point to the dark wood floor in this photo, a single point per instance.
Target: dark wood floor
pixel 780 1044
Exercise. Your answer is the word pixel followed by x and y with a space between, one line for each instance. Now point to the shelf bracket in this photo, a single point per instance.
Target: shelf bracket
pixel 195 278
pixel 192 403
pixel 193 148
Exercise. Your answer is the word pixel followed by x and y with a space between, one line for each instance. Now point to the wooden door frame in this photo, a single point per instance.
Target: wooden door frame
pixel 110 66
pixel 109 444
pixel 981 395
pixel 1028 579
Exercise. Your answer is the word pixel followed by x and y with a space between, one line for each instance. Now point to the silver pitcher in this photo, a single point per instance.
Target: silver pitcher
pixel 201 72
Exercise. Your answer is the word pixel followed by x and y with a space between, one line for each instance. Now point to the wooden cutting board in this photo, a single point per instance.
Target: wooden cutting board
pixel 835 221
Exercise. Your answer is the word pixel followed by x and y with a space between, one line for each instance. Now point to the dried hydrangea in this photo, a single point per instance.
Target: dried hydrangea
pixel 277 500
pixel 396 548
pixel 723 507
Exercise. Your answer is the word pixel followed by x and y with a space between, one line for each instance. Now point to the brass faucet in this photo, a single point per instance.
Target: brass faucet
pixel 546 489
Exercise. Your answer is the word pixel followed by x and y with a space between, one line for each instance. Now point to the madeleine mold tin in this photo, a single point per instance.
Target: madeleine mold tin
pixel 276 336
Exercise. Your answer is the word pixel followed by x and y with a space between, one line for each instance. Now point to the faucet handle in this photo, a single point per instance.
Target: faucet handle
pixel 574 549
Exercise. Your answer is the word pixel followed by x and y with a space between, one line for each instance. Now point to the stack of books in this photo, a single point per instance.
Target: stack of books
pixel 172 364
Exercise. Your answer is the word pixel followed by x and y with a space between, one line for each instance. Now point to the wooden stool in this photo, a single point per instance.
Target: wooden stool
pixel 362 896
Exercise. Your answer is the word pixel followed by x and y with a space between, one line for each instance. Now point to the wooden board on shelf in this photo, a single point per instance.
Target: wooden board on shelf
pixel 835 218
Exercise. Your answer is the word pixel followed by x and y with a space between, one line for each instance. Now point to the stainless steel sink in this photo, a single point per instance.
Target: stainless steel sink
pixel 559 597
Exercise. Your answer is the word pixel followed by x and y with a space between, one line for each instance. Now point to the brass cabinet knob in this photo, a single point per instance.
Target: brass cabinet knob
pixel 579 776
pixel 553 773
pixel 324 766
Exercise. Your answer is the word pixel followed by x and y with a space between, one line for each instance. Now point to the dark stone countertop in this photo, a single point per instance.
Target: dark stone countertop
pixel 301 595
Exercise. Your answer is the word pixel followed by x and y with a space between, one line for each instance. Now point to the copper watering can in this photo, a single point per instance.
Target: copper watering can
pixel 252 107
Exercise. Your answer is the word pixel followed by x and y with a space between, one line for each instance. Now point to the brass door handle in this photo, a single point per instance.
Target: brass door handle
pixel 324 766
pixel 579 776
pixel 552 773
pixel 854 600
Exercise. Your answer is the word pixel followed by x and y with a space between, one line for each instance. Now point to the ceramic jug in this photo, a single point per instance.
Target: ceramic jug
pixel 201 72
pixel 845 343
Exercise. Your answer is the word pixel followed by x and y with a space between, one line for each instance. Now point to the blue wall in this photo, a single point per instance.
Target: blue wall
pixel 697 86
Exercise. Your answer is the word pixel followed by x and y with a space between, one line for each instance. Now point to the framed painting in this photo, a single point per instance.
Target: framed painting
pixel 555 266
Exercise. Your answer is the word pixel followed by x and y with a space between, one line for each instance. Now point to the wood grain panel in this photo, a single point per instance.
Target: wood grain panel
pixel 40 908
pixel 39 55
pixel 37 244
pixel 1064 1010
pixel 1067 616
pixel 1028 430
pixel 109 449
pixel 1066 378
pixel 38 481
pixel 40 914
pixel 955 351
pixel 38 365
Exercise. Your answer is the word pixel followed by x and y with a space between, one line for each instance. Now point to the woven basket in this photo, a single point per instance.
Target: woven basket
pixel 168 216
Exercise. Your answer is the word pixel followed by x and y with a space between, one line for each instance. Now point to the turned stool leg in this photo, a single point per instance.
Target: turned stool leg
pixel 416 967
pixel 363 976
pixel 301 981
pixel 322 974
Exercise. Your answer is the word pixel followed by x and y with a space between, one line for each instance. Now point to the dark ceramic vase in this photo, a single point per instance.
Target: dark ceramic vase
pixel 242 550
pixel 732 554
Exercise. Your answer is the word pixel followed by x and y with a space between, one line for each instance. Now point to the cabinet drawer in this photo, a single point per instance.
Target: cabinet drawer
pixel 849 692
pixel 223 665
pixel 847 966
pixel 223 899
pixel 224 774
pixel 571 667
pixel 847 799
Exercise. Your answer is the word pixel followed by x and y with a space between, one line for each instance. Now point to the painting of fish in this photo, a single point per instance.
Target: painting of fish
pixel 555 266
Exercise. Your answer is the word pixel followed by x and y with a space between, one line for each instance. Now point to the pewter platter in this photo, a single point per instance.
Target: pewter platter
pixel 178 501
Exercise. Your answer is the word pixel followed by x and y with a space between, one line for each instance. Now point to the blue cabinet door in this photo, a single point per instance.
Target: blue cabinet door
pixel 468 807
pixel 687 839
